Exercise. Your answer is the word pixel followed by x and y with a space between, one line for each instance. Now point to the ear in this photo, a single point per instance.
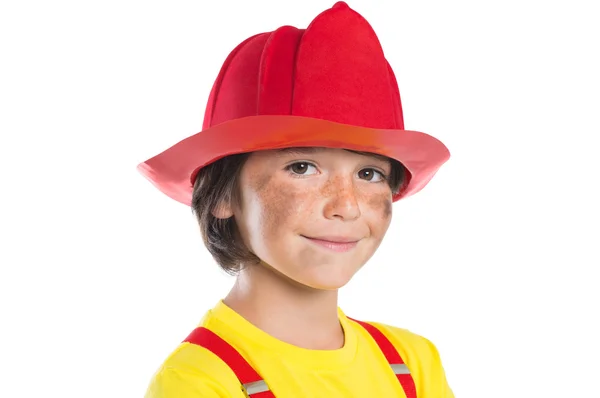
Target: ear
pixel 223 210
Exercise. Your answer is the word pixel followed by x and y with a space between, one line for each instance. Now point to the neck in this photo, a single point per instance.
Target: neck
pixel 293 313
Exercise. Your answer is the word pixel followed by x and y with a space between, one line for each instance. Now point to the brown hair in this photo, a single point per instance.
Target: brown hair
pixel 219 182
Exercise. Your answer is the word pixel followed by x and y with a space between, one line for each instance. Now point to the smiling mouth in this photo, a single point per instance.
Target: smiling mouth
pixel 337 244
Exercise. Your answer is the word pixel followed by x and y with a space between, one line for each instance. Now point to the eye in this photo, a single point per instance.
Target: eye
pixel 371 175
pixel 302 168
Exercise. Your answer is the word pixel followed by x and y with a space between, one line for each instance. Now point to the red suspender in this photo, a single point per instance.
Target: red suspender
pixel 394 359
pixel 253 384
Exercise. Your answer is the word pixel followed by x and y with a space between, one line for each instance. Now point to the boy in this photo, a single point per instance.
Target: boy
pixel 292 179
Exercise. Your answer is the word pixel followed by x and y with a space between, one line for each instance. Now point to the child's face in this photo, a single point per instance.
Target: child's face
pixel 288 197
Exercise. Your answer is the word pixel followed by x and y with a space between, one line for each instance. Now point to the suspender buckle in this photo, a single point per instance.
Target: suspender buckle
pixel 255 387
pixel 400 369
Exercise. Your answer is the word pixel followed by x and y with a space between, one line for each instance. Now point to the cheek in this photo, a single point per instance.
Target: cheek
pixel 380 210
pixel 279 208
pixel 387 209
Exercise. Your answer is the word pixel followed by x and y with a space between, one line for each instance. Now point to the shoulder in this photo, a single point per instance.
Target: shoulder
pixel 192 371
pixel 411 346
pixel 410 342
pixel 422 358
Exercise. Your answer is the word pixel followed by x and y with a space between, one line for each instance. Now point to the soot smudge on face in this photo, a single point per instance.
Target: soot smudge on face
pixel 388 208
pixel 260 181
pixel 381 203
pixel 278 202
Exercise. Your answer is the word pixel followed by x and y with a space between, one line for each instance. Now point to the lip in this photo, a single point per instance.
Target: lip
pixel 335 243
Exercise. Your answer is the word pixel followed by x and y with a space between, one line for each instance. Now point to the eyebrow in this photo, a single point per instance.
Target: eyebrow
pixel 298 150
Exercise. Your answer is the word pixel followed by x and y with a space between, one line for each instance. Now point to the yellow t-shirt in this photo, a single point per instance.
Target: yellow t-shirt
pixel 358 369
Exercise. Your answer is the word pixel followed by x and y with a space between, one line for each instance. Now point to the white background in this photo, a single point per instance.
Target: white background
pixel 495 261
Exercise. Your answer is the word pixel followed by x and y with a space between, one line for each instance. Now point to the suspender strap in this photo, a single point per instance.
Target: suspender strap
pixel 393 357
pixel 252 384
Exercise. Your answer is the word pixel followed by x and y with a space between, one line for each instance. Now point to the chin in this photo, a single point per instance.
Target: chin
pixel 326 280
pixel 329 286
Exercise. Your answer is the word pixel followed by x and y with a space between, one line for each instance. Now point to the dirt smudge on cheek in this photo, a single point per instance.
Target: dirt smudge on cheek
pixel 381 204
pixel 259 181
pixel 278 202
pixel 387 212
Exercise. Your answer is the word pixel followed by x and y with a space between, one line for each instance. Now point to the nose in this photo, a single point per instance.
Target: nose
pixel 341 199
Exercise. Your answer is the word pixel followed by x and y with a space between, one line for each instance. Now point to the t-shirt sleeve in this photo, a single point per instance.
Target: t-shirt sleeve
pixel 176 383
pixel 437 385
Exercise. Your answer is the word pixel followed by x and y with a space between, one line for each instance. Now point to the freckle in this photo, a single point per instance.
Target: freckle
pixel 329 188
